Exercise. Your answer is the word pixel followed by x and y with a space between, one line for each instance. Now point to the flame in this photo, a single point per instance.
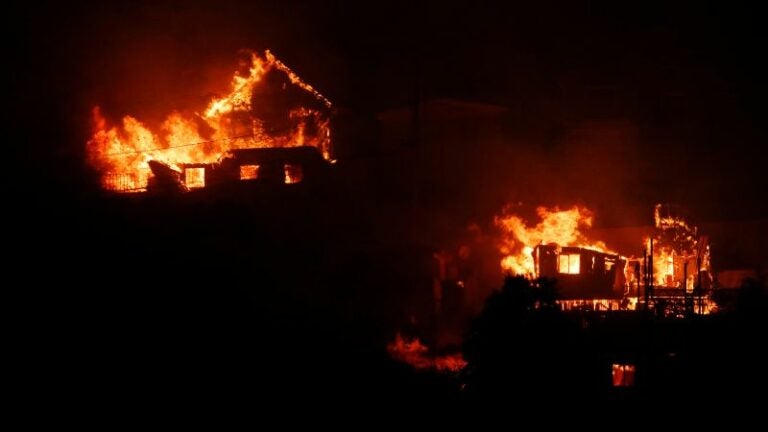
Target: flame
pixel 295 79
pixel 664 266
pixel 415 353
pixel 556 226
pixel 121 152
pixel 623 375
pixel 676 244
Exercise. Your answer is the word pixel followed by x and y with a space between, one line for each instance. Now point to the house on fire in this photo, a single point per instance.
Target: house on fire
pixel 582 274
pixel 267 167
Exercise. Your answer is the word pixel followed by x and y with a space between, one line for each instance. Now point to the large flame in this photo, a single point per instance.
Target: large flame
pixel 121 152
pixel 556 226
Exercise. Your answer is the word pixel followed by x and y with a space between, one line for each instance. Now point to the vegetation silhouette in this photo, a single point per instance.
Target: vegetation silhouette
pixel 523 347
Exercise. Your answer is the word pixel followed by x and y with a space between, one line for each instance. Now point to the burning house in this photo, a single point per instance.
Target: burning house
pixel 673 275
pixel 681 255
pixel 271 127
pixel 582 273
pixel 589 275
pixel 271 167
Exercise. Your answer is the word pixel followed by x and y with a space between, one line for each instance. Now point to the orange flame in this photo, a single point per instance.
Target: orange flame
pixel 623 375
pixel 414 353
pixel 676 244
pixel 121 152
pixel 556 226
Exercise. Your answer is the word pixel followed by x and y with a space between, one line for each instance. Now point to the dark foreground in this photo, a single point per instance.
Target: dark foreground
pixel 151 303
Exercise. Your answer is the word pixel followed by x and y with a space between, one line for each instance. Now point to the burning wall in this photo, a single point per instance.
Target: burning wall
pixel 249 116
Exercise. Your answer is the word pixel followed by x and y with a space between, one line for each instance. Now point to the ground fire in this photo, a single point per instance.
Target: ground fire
pixel 416 354
pixel 185 146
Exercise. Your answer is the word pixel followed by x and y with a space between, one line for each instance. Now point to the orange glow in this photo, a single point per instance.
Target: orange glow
pixel 121 152
pixel 598 304
pixel 556 226
pixel 664 266
pixel 414 353
pixel 194 177
pixel 569 263
pixel 676 244
pixel 293 174
pixel 623 375
pixel 249 172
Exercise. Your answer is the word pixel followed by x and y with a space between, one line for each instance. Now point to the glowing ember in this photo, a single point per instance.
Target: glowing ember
pixel 414 353
pixel 121 152
pixel 194 177
pixel 249 172
pixel 623 375
pixel 293 174
pixel 556 226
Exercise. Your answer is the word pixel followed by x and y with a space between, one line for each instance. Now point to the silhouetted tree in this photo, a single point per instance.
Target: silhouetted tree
pixel 547 293
pixel 521 345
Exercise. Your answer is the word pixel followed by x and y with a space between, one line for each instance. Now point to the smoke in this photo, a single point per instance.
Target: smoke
pixel 470 164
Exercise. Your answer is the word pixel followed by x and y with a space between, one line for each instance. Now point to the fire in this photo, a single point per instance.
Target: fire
pixel 623 375
pixel 121 152
pixel 556 226
pixel 414 353
pixel 677 247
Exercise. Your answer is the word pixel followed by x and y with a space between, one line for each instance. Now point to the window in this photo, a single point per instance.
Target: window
pixel 293 173
pixel 623 375
pixel 568 263
pixel 194 177
pixel 249 172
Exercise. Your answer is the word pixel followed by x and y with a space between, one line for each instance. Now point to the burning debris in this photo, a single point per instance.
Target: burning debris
pixel 623 375
pixel 236 121
pixel 416 354
pixel 681 255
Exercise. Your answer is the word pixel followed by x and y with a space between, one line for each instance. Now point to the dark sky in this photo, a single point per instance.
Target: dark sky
pixel 688 76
